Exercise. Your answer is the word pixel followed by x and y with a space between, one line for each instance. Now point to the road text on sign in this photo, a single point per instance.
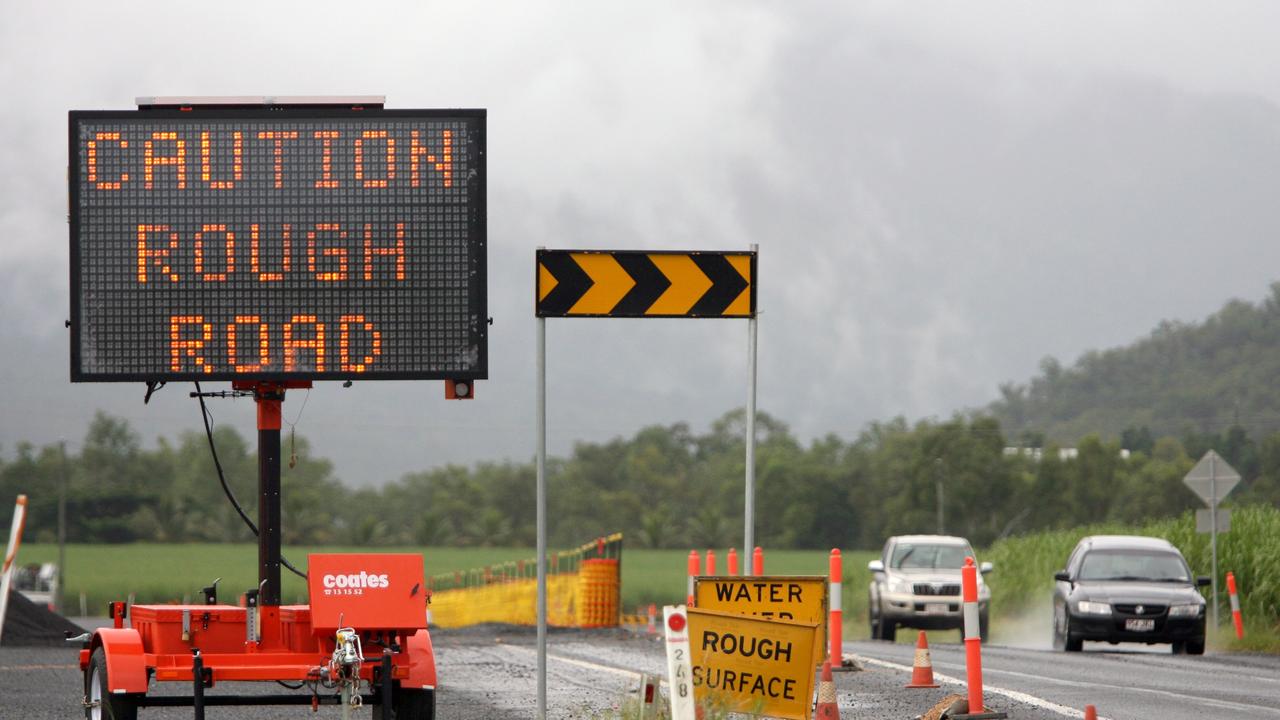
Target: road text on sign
pixel 753 665
pixel 801 598
pixel 626 283
pixel 283 243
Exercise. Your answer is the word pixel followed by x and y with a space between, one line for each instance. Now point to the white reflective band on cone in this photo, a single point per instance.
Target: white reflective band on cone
pixel 971 621
pixel 834 600
pixel 1235 604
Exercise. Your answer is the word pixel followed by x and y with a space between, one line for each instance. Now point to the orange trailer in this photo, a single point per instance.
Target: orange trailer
pixel 363 640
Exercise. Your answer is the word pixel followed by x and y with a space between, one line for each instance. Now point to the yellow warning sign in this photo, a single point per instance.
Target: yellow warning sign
pixel 752 665
pixel 801 598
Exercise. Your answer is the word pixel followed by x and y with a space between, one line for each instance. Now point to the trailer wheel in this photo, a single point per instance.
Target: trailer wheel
pixel 414 704
pixel 101 703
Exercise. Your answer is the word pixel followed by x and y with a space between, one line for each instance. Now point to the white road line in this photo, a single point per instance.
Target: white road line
pixel 581 663
pixel 1071 712
pixel 1011 694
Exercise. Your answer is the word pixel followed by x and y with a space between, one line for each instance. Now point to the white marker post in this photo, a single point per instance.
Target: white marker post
pixel 679 663
pixel 11 555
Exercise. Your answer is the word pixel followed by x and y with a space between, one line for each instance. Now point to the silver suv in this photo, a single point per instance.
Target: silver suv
pixel 916 584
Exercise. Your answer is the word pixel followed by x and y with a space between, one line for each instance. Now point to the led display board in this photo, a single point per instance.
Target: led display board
pixel 304 243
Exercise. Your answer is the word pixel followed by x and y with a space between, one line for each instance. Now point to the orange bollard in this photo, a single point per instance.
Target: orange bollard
pixel 1090 712
pixel 972 638
pixel 835 629
pixel 757 562
pixel 653 616
pixel 693 572
pixel 1235 605
pixel 711 563
pixel 827 707
pixel 922 667
pixel 733 561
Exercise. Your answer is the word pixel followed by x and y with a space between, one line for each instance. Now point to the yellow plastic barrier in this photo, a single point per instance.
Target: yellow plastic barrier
pixel 598 593
pixel 587 596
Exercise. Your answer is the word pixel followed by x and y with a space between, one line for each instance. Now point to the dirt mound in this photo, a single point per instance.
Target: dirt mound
pixel 27 624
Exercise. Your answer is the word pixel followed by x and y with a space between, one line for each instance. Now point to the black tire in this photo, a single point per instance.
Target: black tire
pixel 1073 642
pixel 413 704
pixel 873 618
pixel 888 630
pixel 1194 647
pixel 100 702
pixel 984 628
pixel 1059 638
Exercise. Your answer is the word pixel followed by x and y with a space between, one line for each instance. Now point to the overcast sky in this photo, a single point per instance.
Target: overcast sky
pixel 942 194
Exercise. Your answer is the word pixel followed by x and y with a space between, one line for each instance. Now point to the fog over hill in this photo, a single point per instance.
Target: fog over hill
pixel 941 198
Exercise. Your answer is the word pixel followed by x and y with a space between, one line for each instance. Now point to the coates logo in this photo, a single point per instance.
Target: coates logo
pixel 356 581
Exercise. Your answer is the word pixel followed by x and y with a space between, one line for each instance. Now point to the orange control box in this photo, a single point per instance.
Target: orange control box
pixel 367 592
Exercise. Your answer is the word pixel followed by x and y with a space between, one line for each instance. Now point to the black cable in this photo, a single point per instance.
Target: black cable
pixel 213 449
pixel 299 686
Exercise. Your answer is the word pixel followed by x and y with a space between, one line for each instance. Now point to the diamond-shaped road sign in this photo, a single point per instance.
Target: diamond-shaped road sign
pixel 1202 478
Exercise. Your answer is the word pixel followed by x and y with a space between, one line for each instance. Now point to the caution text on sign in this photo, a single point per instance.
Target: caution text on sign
pixel 753 665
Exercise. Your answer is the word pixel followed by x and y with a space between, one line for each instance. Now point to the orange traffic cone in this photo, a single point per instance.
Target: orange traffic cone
pixel 922 668
pixel 1090 712
pixel 827 708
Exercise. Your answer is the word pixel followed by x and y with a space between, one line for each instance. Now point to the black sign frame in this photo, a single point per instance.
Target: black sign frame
pixel 477 235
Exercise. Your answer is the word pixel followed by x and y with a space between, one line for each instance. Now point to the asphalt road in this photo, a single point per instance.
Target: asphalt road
pixel 489 673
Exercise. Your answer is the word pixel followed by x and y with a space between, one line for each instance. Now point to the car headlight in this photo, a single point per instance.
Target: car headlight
pixel 1093 608
pixel 1190 610
pixel 899 585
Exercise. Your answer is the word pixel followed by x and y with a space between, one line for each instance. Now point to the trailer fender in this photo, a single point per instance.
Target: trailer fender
pixel 126 664
pixel 422 661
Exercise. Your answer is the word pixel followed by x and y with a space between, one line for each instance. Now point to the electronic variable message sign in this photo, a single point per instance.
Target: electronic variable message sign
pixel 280 243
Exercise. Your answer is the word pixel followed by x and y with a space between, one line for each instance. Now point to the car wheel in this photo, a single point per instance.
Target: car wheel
pixel 984 628
pixel 1194 647
pixel 881 629
pixel 1059 640
pixel 1072 642
pixel 1062 637
pixel 888 629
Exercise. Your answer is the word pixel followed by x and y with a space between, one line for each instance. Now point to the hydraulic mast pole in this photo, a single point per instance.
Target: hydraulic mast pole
pixel 269 398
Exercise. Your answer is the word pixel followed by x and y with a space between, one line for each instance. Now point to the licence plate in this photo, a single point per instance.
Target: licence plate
pixel 935 608
pixel 1139 624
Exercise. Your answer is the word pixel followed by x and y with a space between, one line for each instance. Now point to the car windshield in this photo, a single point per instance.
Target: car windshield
pixel 1134 565
pixel 934 557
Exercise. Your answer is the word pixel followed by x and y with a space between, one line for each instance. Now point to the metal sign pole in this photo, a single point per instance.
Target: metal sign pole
pixel 1213 537
pixel 542 518
pixel 748 530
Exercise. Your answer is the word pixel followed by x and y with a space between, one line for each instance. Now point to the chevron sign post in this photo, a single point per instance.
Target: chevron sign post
pixel 637 284
pixel 640 284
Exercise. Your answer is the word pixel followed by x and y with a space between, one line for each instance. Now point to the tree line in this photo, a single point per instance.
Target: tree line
pixel 665 487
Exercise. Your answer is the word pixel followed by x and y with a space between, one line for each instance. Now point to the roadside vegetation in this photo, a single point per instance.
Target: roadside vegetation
pixel 666 487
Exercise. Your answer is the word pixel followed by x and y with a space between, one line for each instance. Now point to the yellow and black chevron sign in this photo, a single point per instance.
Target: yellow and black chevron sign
pixel 634 283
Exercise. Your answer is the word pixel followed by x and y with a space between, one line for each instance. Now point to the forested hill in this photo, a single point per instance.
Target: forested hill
pixel 1184 378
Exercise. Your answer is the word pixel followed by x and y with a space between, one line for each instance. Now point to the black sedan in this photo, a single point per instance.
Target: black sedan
pixel 1124 588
